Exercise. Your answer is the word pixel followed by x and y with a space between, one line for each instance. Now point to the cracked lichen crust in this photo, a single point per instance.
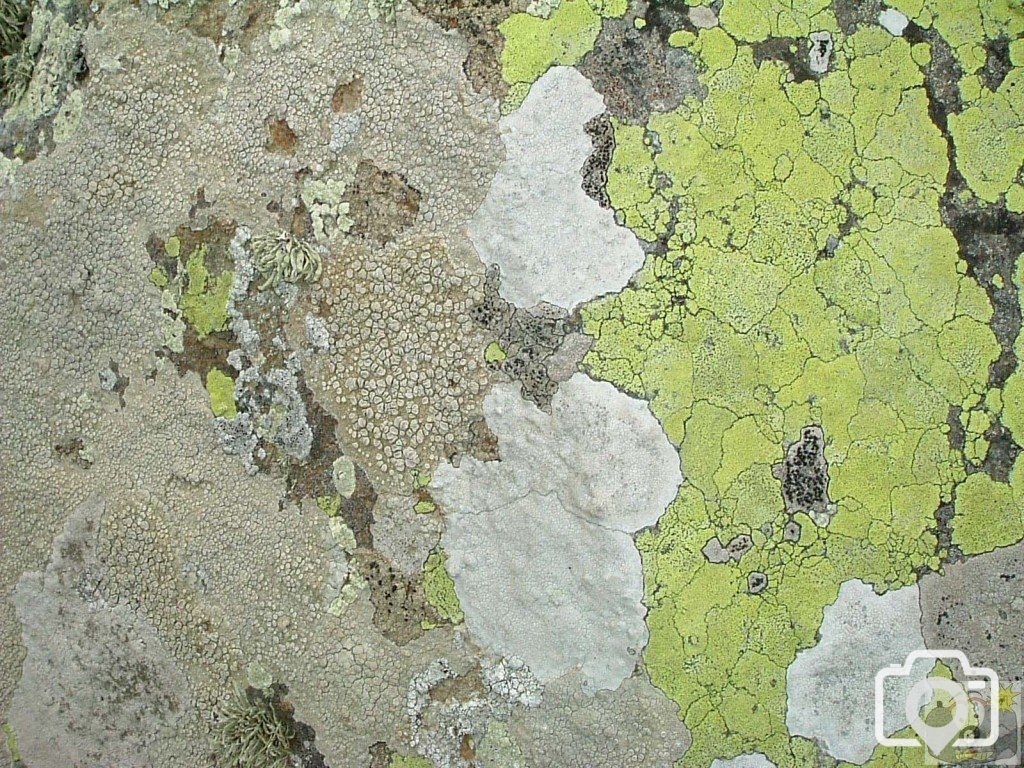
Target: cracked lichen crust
pixel 634 726
pixel 97 679
pixel 403 370
pixel 561 506
pixel 800 272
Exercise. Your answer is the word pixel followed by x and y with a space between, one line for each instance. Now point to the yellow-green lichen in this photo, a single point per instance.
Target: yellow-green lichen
pixel 439 588
pixel 329 504
pixel 410 761
pixel 494 353
pixel 205 299
pixel 222 393
pixel 534 44
pixel 866 326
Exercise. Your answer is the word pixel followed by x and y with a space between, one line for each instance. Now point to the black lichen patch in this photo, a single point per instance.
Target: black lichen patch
pixel 804 476
pixel 527 337
pixel 381 203
pixel 853 14
pixel 595 169
pixel 400 605
pixel 638 72
pixel 791 52
pixel 997 63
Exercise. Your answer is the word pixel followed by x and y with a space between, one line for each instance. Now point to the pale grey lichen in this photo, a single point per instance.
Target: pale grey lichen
pixel 253 732
pixel 282 256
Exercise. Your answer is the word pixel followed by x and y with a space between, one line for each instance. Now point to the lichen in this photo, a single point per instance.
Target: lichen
pixel 440 589
pixel 281 256
pixel 204 301
pixel 254 732
pixel 222 393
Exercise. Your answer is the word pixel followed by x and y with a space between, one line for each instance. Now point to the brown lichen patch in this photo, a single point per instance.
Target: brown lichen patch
pixel 348 96
pixel 381 203
pixel 402 368
pixel 399 603
pixel 467 687
pixel 281 139
pixel 477 21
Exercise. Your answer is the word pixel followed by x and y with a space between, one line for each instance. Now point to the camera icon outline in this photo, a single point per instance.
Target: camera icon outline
pixel 990 685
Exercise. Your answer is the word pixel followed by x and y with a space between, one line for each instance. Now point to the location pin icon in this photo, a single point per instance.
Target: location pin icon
pixel 937 737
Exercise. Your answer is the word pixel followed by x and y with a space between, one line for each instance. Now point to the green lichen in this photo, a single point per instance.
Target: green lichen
pixel 158 277
pixel 343 473
pixel 410 761
pixel 424 507
pixel 330 504
pixel 222 393
pixel 439 588
pixel 534 44
pixel 494 353
pixel 12 743
pixel 205 299
pixel 846 306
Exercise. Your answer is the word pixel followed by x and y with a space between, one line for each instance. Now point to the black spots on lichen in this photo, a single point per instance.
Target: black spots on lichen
pixel 399 602
pixel 804 476
pixel 638 72
pixel 595 169
pixel 381 203
pixel 757 582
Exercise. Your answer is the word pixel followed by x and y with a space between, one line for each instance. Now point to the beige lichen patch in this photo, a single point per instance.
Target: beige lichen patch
pixel 403 370
pixel 380 203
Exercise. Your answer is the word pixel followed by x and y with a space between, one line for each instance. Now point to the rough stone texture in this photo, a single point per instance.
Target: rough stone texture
pixel 402 534
pixel 638 72
pixel 555 517
pixel 99 687
pixel 975 606
pixel 831 686
pixel 634 726
pixel 75 222
pixel 552 242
